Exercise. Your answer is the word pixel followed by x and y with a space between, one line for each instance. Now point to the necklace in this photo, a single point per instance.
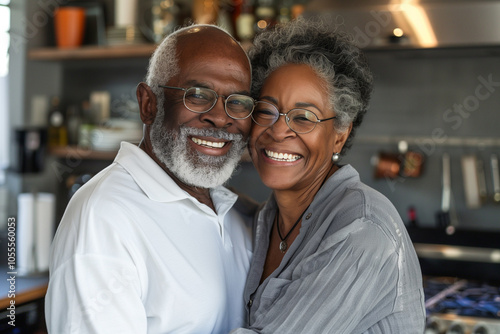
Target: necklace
pixel 283 244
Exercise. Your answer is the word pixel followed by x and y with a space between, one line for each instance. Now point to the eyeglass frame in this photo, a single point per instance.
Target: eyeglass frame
pixel 287 119
pixel 215 102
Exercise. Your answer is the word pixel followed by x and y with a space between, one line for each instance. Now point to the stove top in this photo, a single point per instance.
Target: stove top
pixel 459 306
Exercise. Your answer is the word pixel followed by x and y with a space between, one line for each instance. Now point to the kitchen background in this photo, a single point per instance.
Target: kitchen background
pixel 440 100
pixel 436 99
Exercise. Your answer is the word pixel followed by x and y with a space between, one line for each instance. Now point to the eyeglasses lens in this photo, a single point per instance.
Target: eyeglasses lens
pixel 203 99
pixel 239 106
pixel 299 120
pixel 199 99
pixel 265 114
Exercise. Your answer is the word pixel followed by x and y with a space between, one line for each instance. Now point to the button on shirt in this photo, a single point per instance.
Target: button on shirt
pixel 134 253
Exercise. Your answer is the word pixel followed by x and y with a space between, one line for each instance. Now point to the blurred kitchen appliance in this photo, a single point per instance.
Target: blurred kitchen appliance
pixel 461 280
pixel 30 150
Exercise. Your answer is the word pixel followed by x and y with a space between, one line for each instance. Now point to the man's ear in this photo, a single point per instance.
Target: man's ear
pixel 147 103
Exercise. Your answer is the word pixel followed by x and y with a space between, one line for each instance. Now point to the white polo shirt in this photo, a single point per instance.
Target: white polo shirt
pixel 134 253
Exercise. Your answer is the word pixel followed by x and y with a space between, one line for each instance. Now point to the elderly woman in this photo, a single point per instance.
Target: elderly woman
pixel 331 255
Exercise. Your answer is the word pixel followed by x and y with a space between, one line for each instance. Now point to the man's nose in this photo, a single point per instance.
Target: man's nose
pixel 217 116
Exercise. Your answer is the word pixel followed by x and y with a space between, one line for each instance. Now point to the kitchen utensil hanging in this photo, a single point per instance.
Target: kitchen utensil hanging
pixel 443 216
pixel 496 178
pixel 447 217
pixel 474 181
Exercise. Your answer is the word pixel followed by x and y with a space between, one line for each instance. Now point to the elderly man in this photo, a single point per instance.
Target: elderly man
pixel 154 243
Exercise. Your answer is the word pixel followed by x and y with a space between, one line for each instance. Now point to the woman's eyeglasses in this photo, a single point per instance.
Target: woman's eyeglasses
pixel 298 120
pixel 202 100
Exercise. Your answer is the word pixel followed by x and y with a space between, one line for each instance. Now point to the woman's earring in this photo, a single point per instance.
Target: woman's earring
pixel 335 157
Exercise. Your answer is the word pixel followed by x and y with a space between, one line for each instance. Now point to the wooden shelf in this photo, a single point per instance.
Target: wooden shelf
pixel 93 52
pixel 75 152
pixel 28 288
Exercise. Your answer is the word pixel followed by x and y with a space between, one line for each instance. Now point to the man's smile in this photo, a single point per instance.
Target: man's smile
pixel 207 143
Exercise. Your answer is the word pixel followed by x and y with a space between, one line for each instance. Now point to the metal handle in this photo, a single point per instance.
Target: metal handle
pixel 495 177
pixel 445 200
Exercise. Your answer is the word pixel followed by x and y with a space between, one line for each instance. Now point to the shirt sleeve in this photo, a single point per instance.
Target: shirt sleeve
pixel 94 285
pixel 345 287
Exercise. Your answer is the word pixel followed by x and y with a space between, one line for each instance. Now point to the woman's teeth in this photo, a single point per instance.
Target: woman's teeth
pixel 208 143
pixel 282 156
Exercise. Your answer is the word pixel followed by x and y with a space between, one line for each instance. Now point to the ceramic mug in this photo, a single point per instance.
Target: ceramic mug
pixel 69 24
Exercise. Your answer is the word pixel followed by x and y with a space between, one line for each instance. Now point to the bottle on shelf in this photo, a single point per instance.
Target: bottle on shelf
pixel 57 132
pixel 74 120
pixel 87 124
pixel 265 15
pixel 165 18
pixel 297 10
pixel 284 14
pixel 205 11
pixel 245 22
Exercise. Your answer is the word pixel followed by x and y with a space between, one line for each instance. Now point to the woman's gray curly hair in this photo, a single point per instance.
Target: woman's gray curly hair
pixel 331 54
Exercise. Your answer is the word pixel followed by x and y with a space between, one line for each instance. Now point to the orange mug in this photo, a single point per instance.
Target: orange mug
pixel 69 24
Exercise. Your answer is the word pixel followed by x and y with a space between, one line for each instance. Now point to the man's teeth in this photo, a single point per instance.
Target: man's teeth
pixel 208 143
pixel 282 156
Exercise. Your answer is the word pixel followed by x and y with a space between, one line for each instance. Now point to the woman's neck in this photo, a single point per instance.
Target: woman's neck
pixel 293 202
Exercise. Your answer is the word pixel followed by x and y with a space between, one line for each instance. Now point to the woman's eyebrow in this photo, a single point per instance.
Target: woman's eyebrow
pixel 297 105
pixel 270 98
pixel 306 105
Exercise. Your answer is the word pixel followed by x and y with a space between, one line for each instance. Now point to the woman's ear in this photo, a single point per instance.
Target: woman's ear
pixel 342 138
pixel 147 103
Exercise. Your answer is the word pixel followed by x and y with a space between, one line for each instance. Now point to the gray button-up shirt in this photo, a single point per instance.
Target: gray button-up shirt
pixel 352 268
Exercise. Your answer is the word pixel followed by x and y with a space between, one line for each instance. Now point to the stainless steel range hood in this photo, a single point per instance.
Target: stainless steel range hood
pixel 413 23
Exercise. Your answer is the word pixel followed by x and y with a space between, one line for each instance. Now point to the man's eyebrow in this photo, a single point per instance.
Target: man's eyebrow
pixel 194 83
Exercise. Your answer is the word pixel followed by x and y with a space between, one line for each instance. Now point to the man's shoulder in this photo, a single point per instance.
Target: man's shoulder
pixel 107 189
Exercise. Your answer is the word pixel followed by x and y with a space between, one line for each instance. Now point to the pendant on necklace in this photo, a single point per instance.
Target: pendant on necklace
pixel 283 246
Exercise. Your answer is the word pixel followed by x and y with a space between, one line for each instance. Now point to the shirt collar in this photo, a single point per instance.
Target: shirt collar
pixel 345 176
pixel 158 185
pixel 336 183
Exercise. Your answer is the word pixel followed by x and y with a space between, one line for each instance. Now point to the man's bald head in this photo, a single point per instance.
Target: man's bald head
pixel 195 39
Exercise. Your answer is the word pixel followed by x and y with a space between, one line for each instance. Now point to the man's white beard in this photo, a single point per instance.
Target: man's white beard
pixel 190 166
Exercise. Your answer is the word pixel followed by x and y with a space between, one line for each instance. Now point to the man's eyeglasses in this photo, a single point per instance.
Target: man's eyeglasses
pixel 298 120
pixel 202 100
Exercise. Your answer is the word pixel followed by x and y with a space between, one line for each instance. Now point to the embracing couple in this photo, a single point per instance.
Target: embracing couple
pixel 155 244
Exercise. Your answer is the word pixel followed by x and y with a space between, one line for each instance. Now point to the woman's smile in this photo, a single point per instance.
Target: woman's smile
pixel 279 156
